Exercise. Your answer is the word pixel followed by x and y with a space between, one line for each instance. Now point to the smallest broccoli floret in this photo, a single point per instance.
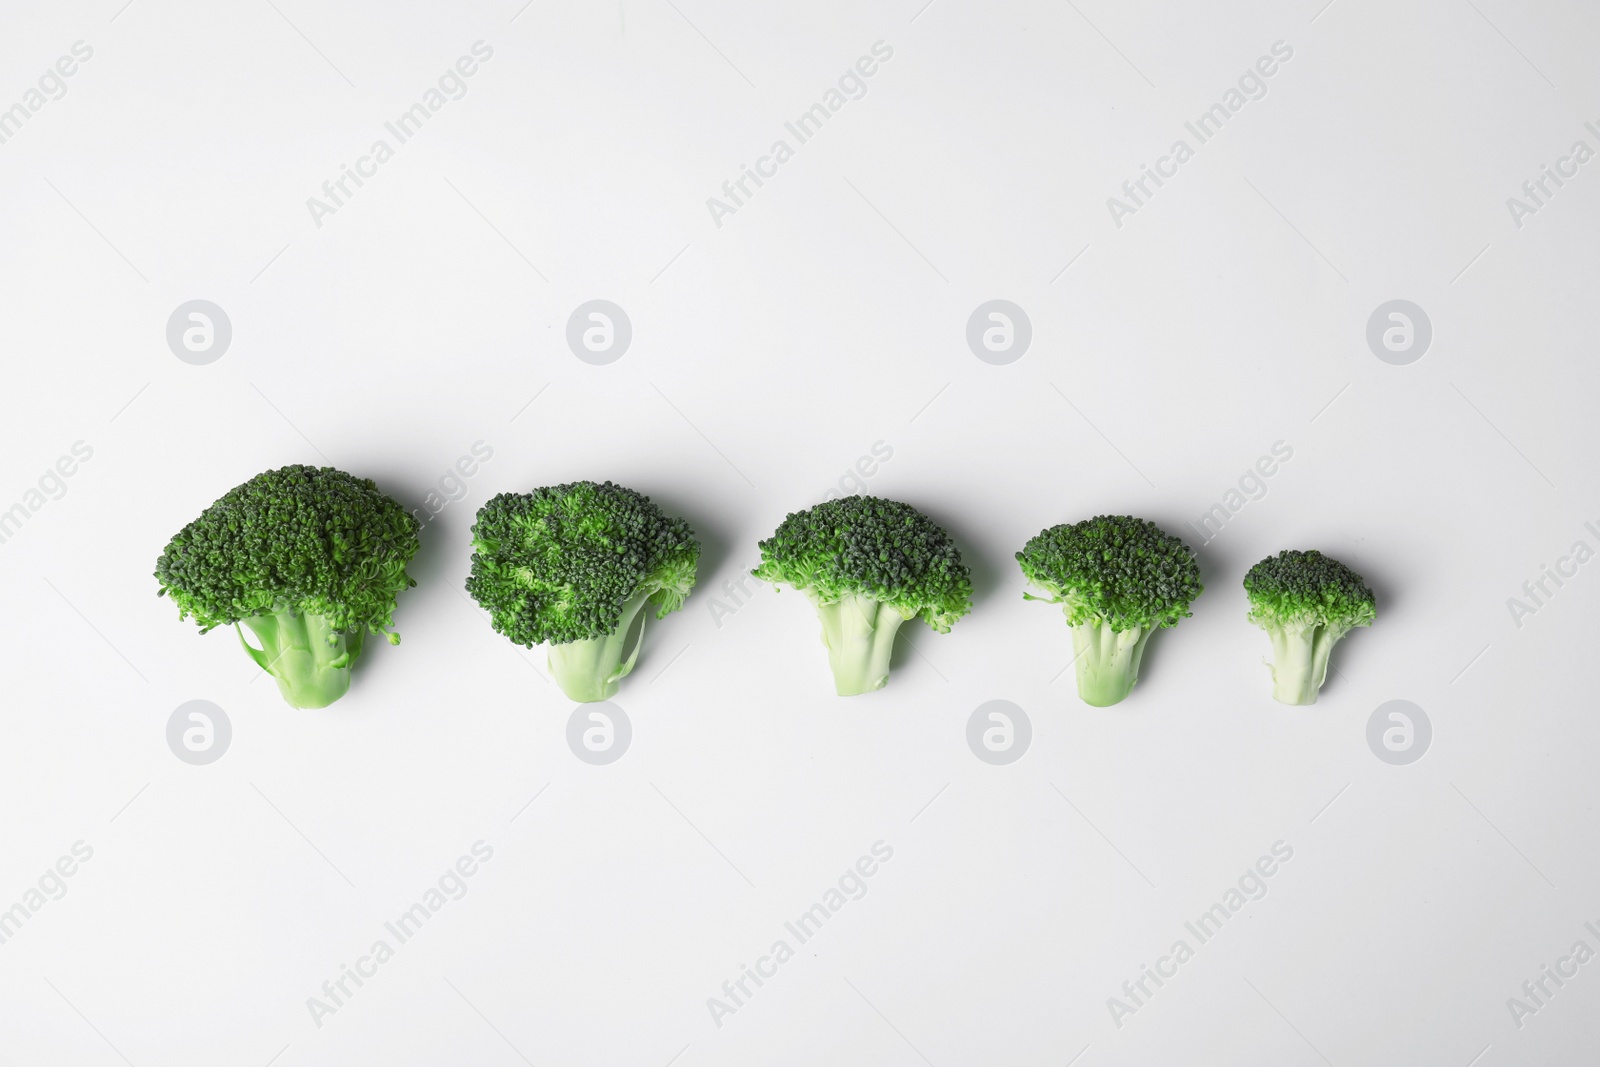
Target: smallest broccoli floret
pixel 1118 579
pixel 1305 601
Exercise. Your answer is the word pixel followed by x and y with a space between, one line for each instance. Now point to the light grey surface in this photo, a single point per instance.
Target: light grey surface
pixel 818 330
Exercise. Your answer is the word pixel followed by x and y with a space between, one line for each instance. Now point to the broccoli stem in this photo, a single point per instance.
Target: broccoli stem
pixel 1300 661
pixel 1108 661
pixel 859 632
pixel 589 670
pixel 309 658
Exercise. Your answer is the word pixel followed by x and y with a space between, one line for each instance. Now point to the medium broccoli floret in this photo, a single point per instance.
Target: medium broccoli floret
pixel 868 564
pixel 310 558
pixel 1118 579
pixel 572 566
pixel 1305 601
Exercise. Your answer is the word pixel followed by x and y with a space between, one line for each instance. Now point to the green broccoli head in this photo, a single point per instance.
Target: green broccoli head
pixel 866 546
pixel 1306 602
pixel 1118 579
pixel 311 558
pixel 311 540
pixel 1298 589
pixel 572 566
pixel 1113 570
pixel 868 564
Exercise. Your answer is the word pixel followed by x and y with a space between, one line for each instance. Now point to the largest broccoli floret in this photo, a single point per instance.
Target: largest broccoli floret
pixel 868 564
pixel 1306 602
pixel 572 566
pixel 310 558
pixel 1118 579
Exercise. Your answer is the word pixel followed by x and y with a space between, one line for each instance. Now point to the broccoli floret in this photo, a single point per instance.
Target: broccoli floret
pixel 868 564
pixel 1118 579
pixel 1305 601
pixel 310 558
pixel 572 566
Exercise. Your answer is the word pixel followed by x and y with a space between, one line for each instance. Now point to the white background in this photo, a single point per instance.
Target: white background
pixel 769 353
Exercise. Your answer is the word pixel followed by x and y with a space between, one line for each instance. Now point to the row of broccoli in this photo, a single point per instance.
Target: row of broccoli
pixel 311 560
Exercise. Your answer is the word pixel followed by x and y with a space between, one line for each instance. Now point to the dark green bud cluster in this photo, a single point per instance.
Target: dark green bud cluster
pixel 557 565
pixel 1113 570
pixel 309 540
pixel 1295 589
pixel 870 547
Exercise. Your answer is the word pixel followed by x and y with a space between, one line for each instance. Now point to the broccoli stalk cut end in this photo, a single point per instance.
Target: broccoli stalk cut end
pixel 1108 660
pixel 309 658
pixel 591 669
pixel 859 632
